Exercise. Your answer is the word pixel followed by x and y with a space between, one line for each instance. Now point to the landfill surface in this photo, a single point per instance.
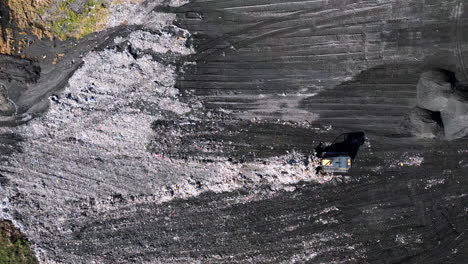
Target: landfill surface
pixel 184 131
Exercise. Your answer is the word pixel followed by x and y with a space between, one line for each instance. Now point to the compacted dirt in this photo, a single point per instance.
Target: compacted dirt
pixel 186 135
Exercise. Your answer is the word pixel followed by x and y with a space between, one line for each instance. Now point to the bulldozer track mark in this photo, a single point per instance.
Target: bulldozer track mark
pixel 315 24
pixel 459 38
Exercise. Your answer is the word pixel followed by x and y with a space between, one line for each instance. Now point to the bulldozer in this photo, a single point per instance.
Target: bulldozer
pixel 338 157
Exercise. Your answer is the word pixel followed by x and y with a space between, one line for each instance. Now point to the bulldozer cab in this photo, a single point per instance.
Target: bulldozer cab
pixel 338 157
pixel 336 162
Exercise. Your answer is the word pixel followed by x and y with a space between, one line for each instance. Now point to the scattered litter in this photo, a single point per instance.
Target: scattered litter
pixel 408 160
pixel 159 156
pixel 433 182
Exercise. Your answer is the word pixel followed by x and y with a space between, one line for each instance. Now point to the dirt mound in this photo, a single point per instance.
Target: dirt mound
pixel 442 105
pixel 434 89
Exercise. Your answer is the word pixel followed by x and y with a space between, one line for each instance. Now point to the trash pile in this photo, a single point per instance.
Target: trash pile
pixel 101 144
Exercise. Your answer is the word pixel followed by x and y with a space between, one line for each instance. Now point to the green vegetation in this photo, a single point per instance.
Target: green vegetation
pixel 14 247
pixel 78 25
pixel 53 18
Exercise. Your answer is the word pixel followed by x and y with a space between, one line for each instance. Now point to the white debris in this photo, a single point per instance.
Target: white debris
pixel 326 221
pixel 401 239
pixel 135 13
pixel 433 182
pixel 303 258
pixel 177 3
pixel 329 209
pixel 313 248
pixel 159 43
pixel 404 239
pixel 408 160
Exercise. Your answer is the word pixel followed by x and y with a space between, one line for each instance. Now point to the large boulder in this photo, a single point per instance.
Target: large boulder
pixel 423 123
pixel 455 118
pixel 438 96
pixel 433 90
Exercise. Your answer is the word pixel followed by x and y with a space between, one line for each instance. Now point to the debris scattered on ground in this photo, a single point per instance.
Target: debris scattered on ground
pixel 407 160
pixel 92 147
pixel 434 182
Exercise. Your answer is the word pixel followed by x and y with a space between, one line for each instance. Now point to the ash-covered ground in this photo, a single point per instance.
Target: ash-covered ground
pixel 184 133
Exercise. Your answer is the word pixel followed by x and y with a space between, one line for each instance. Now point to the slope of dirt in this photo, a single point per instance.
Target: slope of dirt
pixel 184 132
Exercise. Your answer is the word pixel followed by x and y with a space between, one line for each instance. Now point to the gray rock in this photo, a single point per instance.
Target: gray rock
pixel 455 118
pixel 421 123
pixel 436 93
pixel 78 6
pixel 433 90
